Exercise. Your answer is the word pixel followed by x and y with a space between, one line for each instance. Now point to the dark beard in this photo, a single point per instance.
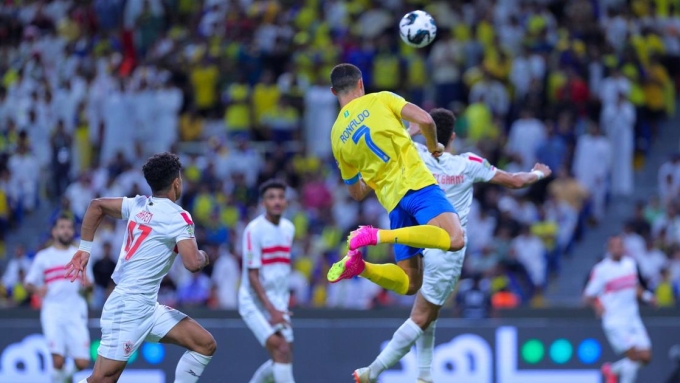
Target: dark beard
pixel 64 242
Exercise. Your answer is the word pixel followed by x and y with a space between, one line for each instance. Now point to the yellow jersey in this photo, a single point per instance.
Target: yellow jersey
pixel 370 141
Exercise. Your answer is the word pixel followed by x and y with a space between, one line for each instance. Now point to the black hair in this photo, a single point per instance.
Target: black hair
pixel 272 184
pixel 445 121
pixel 344 77
pixel 63 216
pixel 161 170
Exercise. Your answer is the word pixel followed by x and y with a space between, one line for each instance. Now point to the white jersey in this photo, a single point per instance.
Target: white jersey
pixel 155 226
pixel 456 174
pixel 48 269
pixel 267 247
pixel 615 285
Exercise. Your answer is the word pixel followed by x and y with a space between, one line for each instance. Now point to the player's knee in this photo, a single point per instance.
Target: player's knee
pixel 207 346
pixel 457 242
pixel 82 364
pixel 644 356
pixel 423 319
pixel 284 352
pixel 57 362
pixel 414 284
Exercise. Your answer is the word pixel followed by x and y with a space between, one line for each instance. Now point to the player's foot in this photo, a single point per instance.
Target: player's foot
pixel 348 267
pixel 361 376
pixel 363 236
pixel 608 374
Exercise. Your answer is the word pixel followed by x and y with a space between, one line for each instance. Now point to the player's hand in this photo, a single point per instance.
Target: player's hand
pixel 543 168
pixel 279 318
pixel 438 151
pixel 41 291
pixel 77 266
pixel 206 258
pixel 599 310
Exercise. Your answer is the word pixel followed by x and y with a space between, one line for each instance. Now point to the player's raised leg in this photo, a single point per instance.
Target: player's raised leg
pixel 200 346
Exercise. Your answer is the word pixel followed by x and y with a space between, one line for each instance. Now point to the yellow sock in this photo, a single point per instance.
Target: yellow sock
pixel 424 236
pixel 387 275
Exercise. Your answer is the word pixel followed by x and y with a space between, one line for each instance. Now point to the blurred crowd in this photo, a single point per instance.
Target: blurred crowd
pixel 239 88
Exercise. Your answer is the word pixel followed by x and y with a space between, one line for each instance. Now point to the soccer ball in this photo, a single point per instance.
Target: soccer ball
pixel 417 29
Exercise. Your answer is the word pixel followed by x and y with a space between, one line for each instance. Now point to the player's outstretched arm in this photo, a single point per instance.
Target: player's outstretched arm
pixel 521 179
pixel 192 258
pixel 96 211
pixel 426 126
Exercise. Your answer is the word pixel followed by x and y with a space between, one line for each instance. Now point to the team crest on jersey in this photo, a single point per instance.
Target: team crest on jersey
pixel 190 230
pixel 127 348
pixel 486 164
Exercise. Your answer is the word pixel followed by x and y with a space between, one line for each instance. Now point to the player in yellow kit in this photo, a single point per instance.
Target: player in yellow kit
pixel 374 152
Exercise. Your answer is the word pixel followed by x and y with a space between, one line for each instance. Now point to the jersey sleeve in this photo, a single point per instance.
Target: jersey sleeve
pixel 35 275
pixel 252 249
pixel 393 101
pixel 128 204
pixel 184 229
pixel 595 284
pixel 350 175
pixel 479 168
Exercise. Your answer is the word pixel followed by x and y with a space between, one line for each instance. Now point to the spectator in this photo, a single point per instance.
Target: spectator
pixel 651 263
pixel 592 166
pixel 666 291
pixel 79 195
pixel 19 263
pixel 529 250
pixel 553 151
pixel 24 176
pixel 61 143
pixel 195 291
pixel 225 276
pixel 102 269
pixel 526 135
pixel 633 242
pixel 473 299
pixel 618 121
pixel 445 59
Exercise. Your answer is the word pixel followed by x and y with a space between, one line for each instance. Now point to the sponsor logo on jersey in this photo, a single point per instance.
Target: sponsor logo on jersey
pixel 346 113
pixel 190 230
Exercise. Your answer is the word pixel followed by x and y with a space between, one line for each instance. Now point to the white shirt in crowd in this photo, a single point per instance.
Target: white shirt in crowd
pixel 651 263
pixel 530 252
pixel 615 284
pixel 266 247
pixel 611 87
pixel 526 136
pixel 618 121
pixel 225 277
pixel 493 93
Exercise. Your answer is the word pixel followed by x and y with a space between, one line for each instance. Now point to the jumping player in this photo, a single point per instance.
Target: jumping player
pixel 157 230
pixel 374 152
pixel 63 314
pixel 456 175
pixel 264 293
pixel 613 291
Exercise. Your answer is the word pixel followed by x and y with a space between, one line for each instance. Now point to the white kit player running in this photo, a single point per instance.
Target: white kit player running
pixel 613 291
pixel 456 175
pixel 63 314
pixel 264 292
pixel 157 230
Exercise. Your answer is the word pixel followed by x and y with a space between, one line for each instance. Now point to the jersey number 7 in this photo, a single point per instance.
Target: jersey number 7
pixel 133 241
pixel 365 131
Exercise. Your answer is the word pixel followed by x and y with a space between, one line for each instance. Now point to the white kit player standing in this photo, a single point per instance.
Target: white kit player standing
pixel 264 292
pixel 456 175
pixel 63 314
pixel 613 291
pixel 157 230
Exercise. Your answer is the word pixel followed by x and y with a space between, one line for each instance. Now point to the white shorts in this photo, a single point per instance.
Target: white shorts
pixel 624 336
pixel 66 335
pixel 128 321
pixel 258 322
pixel 440 275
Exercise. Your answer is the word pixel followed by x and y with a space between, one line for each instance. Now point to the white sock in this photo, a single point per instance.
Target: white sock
pixel 425 348
pixel 190 367
pixel 400 344
pixel 264 373
pixel 83 381
pixel 283 372
pixel 629 371
pixel 57 375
